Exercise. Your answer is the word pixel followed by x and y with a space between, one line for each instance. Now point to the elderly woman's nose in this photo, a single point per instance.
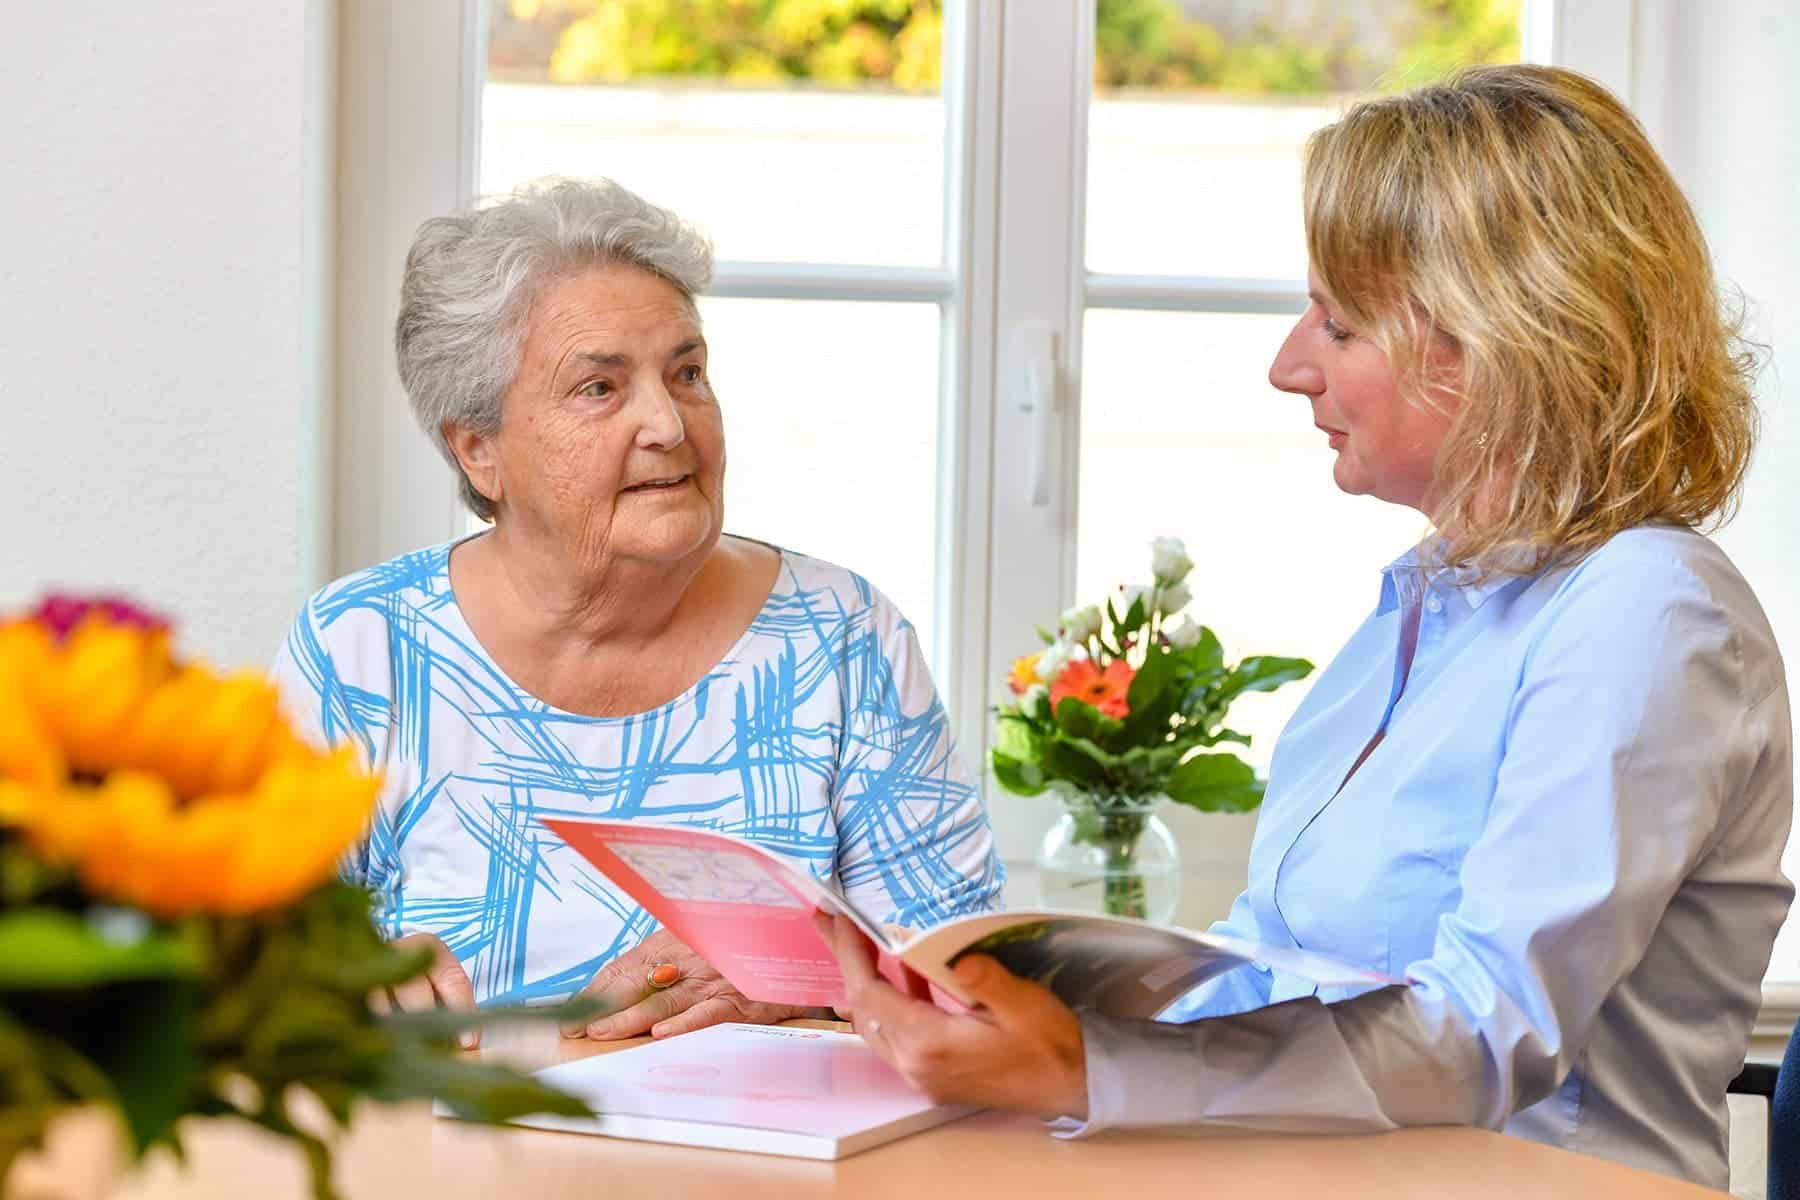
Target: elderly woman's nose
pixel 660 418
pixel 1293 370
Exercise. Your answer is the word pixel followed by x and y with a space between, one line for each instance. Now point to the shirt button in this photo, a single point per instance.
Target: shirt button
pixel 1433 604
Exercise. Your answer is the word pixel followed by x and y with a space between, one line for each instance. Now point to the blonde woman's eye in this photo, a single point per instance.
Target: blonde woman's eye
pixel 1334 331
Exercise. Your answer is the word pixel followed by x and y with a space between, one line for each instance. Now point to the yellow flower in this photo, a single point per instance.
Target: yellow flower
pixel 163 784
pixel 1024 674
pixel 28 752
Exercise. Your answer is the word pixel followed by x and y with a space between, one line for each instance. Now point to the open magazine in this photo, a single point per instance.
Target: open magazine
pixel 748 912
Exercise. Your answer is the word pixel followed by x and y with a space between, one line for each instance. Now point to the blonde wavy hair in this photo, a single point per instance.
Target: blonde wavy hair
pixel 1522 212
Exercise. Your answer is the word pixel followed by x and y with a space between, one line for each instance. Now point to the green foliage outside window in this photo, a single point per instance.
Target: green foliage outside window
pixel 1298 50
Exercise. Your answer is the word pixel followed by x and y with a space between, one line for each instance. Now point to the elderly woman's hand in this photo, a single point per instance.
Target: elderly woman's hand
pixel 698 997
pixel 1018 1049
pixel 443 984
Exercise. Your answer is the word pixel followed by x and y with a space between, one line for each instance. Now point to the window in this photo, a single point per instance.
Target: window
pixel 1174 275
pixel 812 148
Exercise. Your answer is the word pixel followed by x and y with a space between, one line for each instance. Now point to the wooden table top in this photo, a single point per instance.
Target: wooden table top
pixel 401 1152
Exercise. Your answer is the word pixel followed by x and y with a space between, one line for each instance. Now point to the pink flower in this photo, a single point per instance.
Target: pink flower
pixel 61 612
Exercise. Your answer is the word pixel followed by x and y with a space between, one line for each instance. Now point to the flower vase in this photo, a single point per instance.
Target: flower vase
pixel 1110 854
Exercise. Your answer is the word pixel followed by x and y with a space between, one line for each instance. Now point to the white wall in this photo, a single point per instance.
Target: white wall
pixel 1714 85
pixel 156 280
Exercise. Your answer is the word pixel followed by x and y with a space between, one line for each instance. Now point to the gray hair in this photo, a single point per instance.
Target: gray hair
pixel 470 280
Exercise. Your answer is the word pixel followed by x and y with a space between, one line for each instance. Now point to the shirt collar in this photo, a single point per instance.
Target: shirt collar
pixel 1461 580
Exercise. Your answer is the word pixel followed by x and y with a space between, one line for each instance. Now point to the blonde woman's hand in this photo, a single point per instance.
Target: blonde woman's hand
pixel 1019 1048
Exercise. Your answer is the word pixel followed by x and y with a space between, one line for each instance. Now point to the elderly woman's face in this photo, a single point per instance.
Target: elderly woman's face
pixel 610 439
pixel 1386 445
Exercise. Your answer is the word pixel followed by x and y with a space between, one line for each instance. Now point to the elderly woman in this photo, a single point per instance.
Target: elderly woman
pixel 1549 779
pixel 604 649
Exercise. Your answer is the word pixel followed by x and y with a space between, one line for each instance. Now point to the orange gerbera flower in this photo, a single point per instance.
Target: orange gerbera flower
pixel 1106 690
pixel 1024 674
pixel 163 784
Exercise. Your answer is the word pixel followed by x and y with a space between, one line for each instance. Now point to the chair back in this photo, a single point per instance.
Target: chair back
pixel 1784 1125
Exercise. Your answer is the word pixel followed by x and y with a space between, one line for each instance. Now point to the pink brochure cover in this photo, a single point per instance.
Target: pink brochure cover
pixel 742 908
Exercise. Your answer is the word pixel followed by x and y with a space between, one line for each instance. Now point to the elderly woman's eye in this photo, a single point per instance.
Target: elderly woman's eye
pixel 599 389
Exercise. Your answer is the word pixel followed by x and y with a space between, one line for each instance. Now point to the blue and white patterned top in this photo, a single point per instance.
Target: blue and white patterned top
pixel 819 735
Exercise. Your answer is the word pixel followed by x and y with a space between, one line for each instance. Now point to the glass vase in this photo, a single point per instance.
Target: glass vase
pixel 1110 854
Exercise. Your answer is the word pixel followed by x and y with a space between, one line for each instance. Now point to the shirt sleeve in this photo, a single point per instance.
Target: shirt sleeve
pixel 1238 990
pixel 1624 740
pixel 914 842
pixel 329 711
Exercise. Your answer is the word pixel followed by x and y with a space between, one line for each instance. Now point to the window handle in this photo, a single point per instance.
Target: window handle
pixel 1033 375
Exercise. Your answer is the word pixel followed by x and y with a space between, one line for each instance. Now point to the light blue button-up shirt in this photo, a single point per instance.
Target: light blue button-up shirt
pixel 1568 841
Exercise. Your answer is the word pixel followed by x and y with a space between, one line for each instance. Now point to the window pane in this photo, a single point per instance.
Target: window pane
pixel 812 136
pixel 1201 109
pixel 802 383
pixel 1182 435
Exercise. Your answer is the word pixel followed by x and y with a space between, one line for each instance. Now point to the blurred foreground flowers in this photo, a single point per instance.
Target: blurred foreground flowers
pixel 174 940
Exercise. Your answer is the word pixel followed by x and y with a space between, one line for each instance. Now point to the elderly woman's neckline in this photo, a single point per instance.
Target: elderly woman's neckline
pixel 569 673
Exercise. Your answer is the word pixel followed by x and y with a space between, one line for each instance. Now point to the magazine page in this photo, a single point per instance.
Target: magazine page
pixel 763 1088
pixel 1114 965
pixel 744 909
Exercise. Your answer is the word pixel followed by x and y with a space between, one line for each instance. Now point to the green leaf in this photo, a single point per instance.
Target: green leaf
pixel 1155 677
pixel 1215 783
pixel 1015 738
pixel 1021 779
pixel 1079 719
pixel 1153 700
pixel 1153 760
pixel 474 1091
pixel 148 1049
pixel 1105 759
pixel 1062 761
pixel 1206 654
pixel 1135 617
pixel 445 1023
pixel 1225 735
pixel 383 966
pixel 41 948
pixel 1261 673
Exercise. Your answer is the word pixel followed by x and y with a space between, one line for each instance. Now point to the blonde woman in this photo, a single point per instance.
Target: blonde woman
pixel 1549 779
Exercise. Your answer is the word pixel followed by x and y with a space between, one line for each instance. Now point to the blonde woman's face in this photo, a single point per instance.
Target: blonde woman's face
pixel 1386 445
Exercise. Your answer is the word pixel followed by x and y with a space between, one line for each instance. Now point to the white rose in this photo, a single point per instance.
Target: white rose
pixel 1173 599
pixel 1133 593
pixel 1080 624
pixel 1184 636
pixel 1169 561
pixel 1055 657
pixel 1034 695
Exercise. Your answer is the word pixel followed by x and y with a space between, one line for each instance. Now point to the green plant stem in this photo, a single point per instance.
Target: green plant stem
pixel 1125 894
